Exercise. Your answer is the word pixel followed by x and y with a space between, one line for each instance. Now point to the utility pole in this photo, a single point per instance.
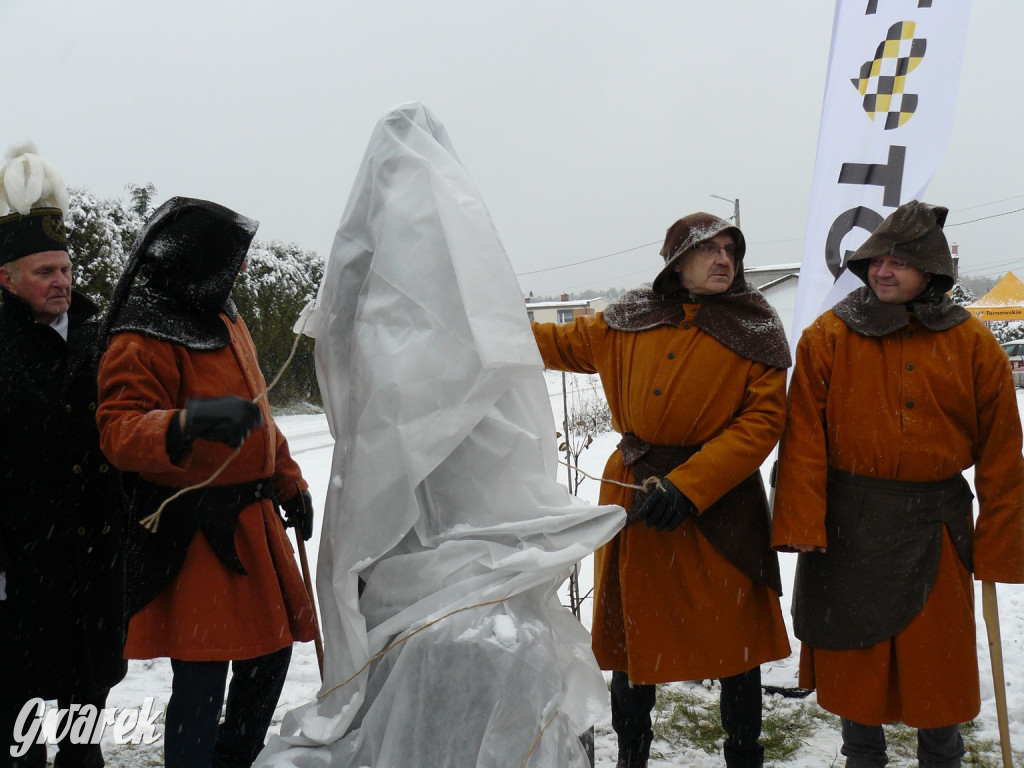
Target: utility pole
pixel 735 208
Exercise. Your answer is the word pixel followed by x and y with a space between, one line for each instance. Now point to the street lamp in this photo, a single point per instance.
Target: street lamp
pixel 735 208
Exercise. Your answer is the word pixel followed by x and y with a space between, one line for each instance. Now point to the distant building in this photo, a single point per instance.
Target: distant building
pixel 564 311
pixel 778 284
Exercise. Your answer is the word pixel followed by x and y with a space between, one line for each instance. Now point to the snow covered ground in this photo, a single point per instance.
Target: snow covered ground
pixel 311 444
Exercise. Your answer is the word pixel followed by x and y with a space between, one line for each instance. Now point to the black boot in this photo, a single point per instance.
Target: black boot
pixel 631 720
pixel 740 704
pixel 636 754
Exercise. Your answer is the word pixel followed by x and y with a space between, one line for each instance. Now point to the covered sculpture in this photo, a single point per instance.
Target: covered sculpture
pixel 443 497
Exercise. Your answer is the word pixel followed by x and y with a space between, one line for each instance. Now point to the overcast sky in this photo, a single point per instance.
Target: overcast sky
pixel 588 126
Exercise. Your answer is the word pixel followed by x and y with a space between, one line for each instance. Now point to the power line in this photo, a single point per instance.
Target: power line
pixel 771 242
pixel 993 216
pixel 587 261
pixel 994 202
pixel 609 282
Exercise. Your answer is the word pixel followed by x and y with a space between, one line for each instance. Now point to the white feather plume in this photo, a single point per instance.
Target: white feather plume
pixel 28 181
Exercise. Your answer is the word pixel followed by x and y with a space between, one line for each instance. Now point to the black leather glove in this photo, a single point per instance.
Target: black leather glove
pixel 227 419
pixel 665 508
pixel 298 514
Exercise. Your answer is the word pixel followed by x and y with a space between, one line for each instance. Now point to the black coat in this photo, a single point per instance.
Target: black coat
pixel 62 513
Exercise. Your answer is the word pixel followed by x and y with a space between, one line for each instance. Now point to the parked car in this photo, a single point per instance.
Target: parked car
pixel 1015 349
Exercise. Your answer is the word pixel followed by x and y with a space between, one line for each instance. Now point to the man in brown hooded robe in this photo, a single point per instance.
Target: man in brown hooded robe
pixel 895 392
pixel 694 370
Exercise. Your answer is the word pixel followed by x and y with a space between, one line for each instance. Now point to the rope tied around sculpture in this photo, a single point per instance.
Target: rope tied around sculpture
pixel 392 646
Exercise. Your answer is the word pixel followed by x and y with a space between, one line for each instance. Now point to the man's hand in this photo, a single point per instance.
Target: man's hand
pixel 298 514
pixel 665 508
pixel 227 419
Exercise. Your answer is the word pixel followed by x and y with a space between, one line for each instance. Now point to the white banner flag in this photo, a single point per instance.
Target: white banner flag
pixel 893 71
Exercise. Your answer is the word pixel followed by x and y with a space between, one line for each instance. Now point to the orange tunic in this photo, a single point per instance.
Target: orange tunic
pixel 668 606
pixel 918 406
pixel 207 613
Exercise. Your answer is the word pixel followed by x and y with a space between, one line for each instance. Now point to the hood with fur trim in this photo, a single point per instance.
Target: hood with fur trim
pixel 684 235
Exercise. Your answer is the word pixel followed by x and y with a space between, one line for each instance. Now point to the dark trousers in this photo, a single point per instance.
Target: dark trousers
pixel 864 746
pixel 740 704
pixel 193 738
pixel 68 755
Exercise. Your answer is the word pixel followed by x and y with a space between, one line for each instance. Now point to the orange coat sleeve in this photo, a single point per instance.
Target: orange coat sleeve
pixel 740 448
pixel 799 514
pixel 139 391
pixel 566 346
pixel 998 471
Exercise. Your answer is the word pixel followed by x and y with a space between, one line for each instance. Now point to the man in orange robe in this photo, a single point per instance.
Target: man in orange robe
pixel 896 391
pixel 215 581
pixel 694 372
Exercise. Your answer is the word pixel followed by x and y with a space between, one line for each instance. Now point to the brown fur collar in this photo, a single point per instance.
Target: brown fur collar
pixel 742 320
pixel 863 313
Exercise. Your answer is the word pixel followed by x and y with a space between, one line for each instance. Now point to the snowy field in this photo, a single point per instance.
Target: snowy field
pixel 311 444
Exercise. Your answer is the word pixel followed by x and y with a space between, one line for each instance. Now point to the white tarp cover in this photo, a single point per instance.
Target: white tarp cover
pixel 443 495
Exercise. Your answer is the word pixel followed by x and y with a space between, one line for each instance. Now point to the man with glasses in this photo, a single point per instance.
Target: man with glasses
pixel 693 368
pixel 895 393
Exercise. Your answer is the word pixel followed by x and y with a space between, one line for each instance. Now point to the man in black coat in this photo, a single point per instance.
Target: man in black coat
pixel 61 504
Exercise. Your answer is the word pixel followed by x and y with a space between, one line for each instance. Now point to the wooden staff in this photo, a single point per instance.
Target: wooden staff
pixel 990 609
pixel 317 641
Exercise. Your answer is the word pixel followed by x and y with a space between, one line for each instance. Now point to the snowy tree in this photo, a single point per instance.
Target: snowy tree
pixel 100 234
pixel 270 294
pixel 142 198
pixel 1008 330
pixel 962 295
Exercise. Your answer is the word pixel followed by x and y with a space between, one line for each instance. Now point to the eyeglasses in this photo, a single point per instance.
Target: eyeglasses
pixel 711 249
pixel 893 262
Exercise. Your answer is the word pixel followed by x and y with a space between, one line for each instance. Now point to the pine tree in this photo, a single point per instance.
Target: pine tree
pixel 100 235
pixel 962 295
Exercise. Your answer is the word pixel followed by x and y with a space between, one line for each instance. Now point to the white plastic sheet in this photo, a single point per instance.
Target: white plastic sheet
pixel 443 496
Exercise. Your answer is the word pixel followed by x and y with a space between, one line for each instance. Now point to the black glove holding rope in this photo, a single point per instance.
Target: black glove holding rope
pixel 665 508
pixel 298 514
pixel 227 419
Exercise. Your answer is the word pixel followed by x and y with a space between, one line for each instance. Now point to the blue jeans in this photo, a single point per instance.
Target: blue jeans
pixel 193 736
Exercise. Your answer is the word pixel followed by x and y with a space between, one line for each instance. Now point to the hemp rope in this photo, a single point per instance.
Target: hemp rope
pixel 536 742
pixel 152 522
pixel 648 485
pixel 399 641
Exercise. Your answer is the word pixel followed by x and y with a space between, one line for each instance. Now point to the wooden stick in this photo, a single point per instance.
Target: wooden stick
pixel 304 562
pixel 990 610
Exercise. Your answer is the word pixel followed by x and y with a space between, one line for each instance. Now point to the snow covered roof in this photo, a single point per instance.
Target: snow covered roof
pixel 571 303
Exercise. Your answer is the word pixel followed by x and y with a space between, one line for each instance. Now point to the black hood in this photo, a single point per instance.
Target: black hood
pixel 180 274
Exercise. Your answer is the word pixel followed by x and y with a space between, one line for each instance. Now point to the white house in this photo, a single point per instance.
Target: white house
pixel 778 284
pixel 564 311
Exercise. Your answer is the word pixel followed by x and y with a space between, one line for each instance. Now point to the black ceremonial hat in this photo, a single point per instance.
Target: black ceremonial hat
pixel 41 229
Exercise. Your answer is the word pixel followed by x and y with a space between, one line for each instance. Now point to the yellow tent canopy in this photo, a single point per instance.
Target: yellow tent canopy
pixel 1004 302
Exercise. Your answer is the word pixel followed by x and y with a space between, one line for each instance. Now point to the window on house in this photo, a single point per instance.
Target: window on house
pixel 565 315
